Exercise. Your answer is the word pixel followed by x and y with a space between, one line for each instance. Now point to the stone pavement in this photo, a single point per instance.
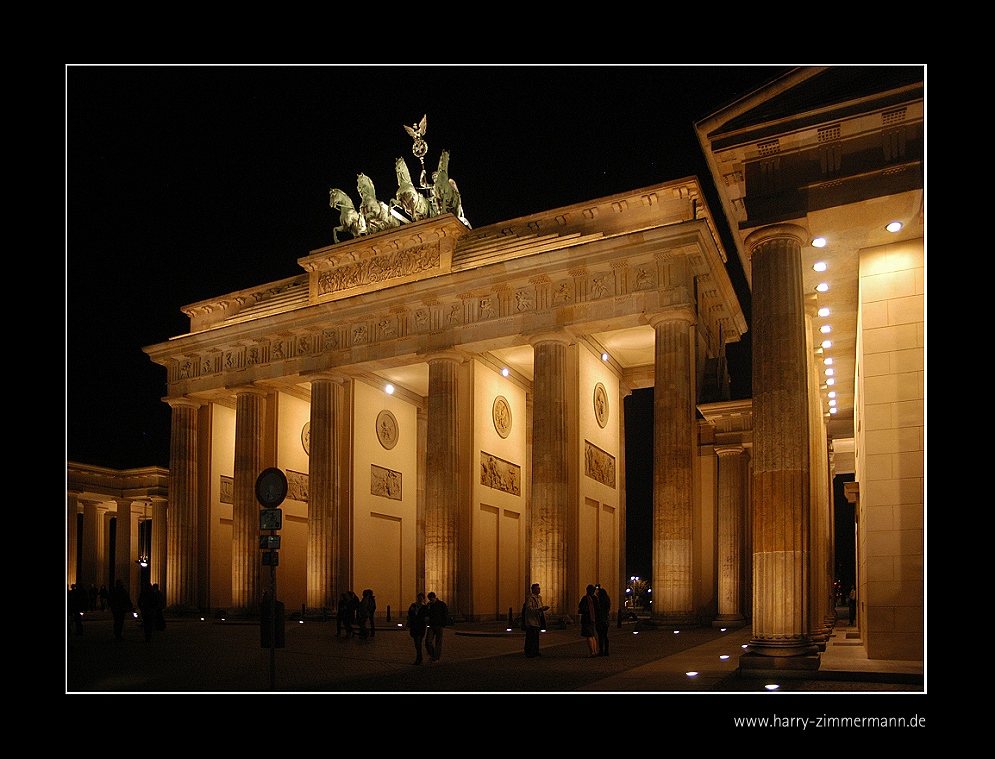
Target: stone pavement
pixel 211 656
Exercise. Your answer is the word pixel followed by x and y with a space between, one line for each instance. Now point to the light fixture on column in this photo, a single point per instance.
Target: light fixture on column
pixel 144 537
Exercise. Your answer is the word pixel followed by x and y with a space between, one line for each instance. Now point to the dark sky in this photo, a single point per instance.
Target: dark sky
pixel 188 182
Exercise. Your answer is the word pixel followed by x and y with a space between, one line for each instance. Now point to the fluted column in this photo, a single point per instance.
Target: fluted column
pixel 160 528
pixel 781 505
pixel 550 473
pixel 122 545
pixel 182 522
pixel 820 564
pixel 250 409
pixel 90 569
pixel 730 535
pixel 72 536
pixel 674 450
pixel 442 479
pixel 322 506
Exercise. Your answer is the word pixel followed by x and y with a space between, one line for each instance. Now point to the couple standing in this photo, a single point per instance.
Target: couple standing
pixel 594 609
pixel 427 621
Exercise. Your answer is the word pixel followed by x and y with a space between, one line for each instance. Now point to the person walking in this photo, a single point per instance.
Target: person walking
pixel 417 617
pixel 438 619
pixel 601 622
pixel 587 608
pixel 120 603
pixel 533 619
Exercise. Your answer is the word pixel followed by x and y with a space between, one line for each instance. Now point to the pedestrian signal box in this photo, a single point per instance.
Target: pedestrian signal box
pixel 271 519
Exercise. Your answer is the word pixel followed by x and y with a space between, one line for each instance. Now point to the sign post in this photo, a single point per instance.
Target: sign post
pixel 271 489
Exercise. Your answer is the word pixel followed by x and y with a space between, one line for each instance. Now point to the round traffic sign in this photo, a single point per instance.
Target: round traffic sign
pixel 271 487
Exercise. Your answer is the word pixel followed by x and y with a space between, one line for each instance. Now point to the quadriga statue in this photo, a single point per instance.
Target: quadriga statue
pixel 376 214
pixel 350 220
pixel 408 199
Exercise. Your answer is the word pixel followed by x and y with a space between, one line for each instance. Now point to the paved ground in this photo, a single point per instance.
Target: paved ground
pixel 208 656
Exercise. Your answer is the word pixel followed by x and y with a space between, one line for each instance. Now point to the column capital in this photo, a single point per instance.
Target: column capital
pixel 184 402
pixel 676 314
pixel 728 450
pixel 339 378
pixel 557 336
pixel 250 390
pixel 454 357
pixel 763 235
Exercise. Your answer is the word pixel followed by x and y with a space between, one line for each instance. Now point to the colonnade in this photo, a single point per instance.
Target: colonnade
pixel 784 526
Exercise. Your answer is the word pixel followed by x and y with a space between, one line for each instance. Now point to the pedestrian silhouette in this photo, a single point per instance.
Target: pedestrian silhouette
pixel 120 603
pixel 417 619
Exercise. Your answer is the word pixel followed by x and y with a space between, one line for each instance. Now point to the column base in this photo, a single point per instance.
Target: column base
pixel 731 621
pixel 756 665
pixel 674 621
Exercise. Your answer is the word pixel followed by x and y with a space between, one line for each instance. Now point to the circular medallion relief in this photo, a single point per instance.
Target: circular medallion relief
pixel 601 404
pixel 387 429
pixel 501 414
pixel 306 437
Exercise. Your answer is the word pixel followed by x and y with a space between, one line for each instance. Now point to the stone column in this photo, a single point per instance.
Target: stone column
pixel 550 473
pixel 250 410
pixel 122 546
pixel 674 450
pixel 90 569
pixel 781 506
pixel 820 563
pixel 181 527
pixel 442 479
pixel 159 542
pixel 730 536
pixel 72 533
pixel 322 506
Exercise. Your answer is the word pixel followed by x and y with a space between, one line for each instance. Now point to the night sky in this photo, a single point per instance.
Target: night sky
pixel 188 182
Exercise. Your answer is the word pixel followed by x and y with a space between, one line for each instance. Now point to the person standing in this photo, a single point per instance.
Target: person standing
pixel 587 608
pixel 352 610
pixel 76 604
pixel 417 617
pixel 148 605
pixel 603 612
pixel 367 608
pixel 438 618
pixel 534 619
pixel 342 615
pixel 120 603
pixel 852 603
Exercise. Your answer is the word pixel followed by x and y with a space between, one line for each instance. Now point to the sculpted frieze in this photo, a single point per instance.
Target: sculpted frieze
pixel 499 474
pixel 599 465
pixel 380 268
